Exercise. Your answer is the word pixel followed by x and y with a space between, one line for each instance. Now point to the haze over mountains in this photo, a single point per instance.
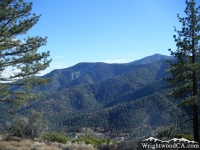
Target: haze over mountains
pixel 127 98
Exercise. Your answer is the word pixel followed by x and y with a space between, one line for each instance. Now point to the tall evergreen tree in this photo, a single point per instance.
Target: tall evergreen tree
pixel 185 72
pixel 19 57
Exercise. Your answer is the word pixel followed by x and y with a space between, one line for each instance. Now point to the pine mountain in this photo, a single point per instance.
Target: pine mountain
pixel 151 59
pixel 86 73
pixel 114 97
pixel 103 84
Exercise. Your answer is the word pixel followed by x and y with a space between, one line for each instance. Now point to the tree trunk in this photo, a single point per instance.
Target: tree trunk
pixel 195 107
pixel 194 89
pixel 195 123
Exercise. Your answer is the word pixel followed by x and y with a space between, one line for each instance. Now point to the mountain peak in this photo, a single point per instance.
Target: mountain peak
pixel 150 59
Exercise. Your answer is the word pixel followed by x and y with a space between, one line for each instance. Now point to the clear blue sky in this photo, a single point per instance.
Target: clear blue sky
pixel 112 31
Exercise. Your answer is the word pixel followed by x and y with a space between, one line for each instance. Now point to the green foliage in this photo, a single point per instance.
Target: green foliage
pixel 89 140
pixel 19 57
pixel 56 137
pixel 95 141
pixel 34 125
pixel 184 136
pixel 185 72
pixel 137 117
pixel 164 132
pixel 108 147
pixel 87 132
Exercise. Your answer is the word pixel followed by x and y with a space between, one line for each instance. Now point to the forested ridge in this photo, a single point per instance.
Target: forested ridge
pixel 123 98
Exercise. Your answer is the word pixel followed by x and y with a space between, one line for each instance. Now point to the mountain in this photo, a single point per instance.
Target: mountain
pixel 83 73
pixel 86 73
pixel 114 98
pixel 105 91
pixel 151 59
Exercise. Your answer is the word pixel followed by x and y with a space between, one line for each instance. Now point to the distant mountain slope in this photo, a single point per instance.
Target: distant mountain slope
pixel 114 97
pixel 86 73
pixel 140 81
pixel 83 73
pixel 138 118
pixel 151 59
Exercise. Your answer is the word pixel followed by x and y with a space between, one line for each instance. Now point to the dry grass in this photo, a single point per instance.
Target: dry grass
pixel 34 145
pixel 13 145
pixel 7 144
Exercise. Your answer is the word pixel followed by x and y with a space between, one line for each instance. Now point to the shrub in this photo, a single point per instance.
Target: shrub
pixel 164 132
pixel 184 136
pixel 128 145
pixel 88 140
pixel 107 147
pixel 18 128
pixel 56 137
pixel 87 132
pixel 95 141
pixel 34 125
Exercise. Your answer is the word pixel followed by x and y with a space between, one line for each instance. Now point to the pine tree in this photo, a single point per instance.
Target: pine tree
pixel 19 57
pixel 185 72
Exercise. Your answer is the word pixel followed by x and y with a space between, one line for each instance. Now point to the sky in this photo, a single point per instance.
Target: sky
pixel 110 31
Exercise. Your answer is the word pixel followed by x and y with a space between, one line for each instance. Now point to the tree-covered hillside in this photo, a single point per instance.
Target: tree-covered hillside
pixel 122 99
pixel 141 81
pixel 138 118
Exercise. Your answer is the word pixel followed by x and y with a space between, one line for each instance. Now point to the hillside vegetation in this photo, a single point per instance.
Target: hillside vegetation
pixel 131 99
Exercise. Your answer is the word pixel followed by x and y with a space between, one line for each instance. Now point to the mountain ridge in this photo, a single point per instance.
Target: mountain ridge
pixel 151 59
pixel 85 73
pixel 101 95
